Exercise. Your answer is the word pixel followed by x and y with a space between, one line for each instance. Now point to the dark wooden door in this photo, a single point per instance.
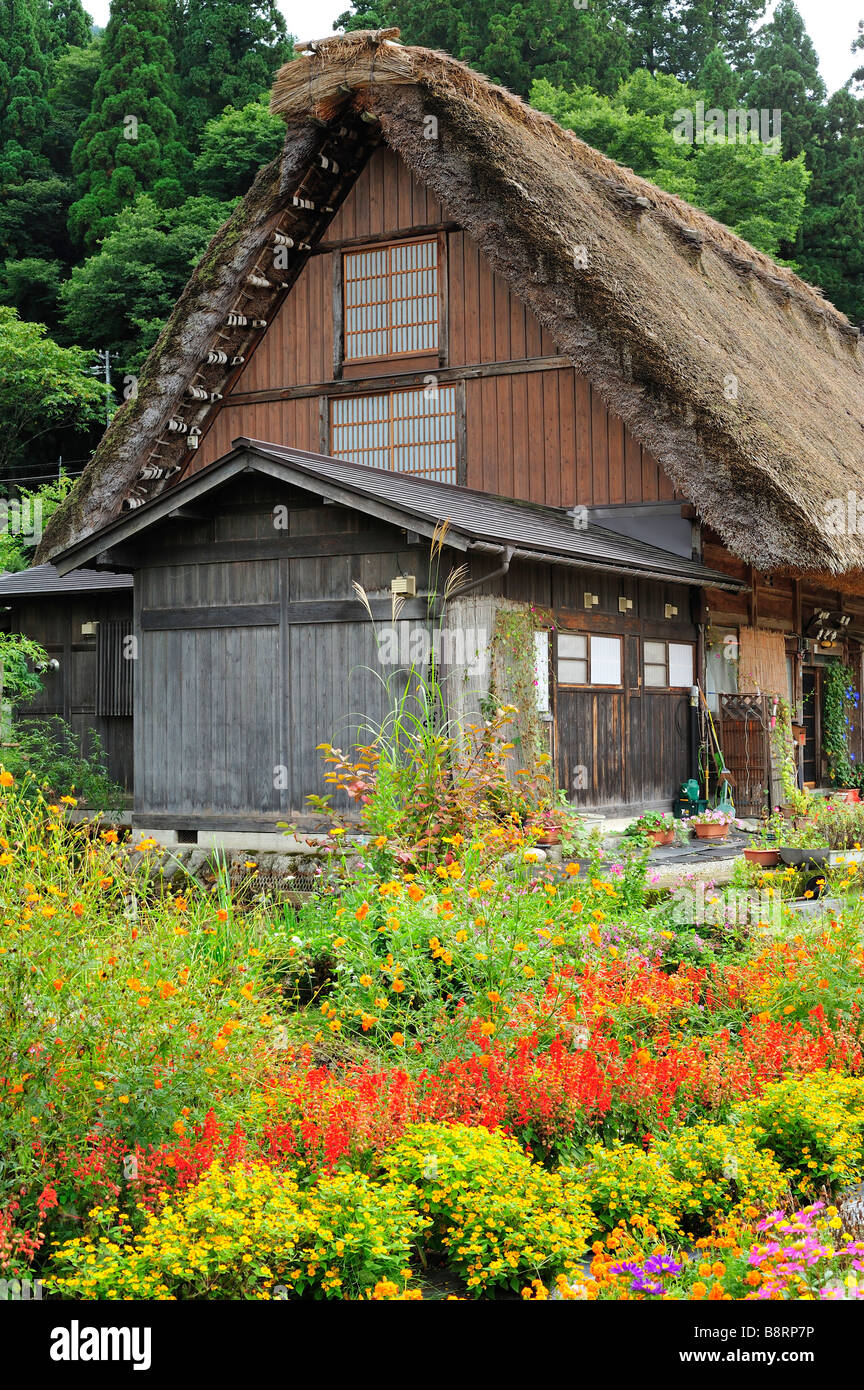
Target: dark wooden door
pixel 591 746
pixel 623 748
pixel 811 687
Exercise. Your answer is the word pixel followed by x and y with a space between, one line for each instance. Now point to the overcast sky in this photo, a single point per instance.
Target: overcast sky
pixel 832 25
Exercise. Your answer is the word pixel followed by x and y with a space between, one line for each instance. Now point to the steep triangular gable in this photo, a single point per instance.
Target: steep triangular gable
pixel 572 451
pixel 741 379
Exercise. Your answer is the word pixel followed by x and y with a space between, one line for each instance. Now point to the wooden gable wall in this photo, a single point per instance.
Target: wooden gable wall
pixel 530 425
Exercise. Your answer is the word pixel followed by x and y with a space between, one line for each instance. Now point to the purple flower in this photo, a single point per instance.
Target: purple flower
pixel 626 1267
pixel 662 1264
pixel 641 1285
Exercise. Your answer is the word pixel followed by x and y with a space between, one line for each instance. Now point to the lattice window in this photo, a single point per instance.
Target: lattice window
pixel 391 300
pixel 409 431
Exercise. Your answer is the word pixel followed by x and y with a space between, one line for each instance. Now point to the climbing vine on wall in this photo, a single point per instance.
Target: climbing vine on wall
pixel 513 677
pixel 841 701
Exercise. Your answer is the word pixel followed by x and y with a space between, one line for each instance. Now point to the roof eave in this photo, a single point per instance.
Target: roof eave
pixel 245 457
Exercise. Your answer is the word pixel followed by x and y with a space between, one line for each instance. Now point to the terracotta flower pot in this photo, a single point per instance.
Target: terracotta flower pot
pixel 661 837
pixel 711 832
pixel 764 858
pixel 548 837
pixel 850 795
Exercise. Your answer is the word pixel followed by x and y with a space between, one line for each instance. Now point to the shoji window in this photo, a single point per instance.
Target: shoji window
pixel 668 665
pixel 409 431
pixel 391 300
pixel 585 659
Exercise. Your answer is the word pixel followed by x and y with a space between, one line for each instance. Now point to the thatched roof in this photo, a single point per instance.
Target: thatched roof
pixel 742 380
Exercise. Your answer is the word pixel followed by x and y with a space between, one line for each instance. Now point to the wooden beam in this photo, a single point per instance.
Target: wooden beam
pixel 349 610
pixel 224 615
pixel 372 239
pixel 338 318
pixel 290 548
pixel 363 385
pixel 443 303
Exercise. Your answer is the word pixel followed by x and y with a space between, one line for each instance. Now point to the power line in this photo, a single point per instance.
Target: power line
pixel 41 477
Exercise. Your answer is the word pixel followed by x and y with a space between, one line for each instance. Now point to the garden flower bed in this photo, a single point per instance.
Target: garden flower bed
pixel 460 1071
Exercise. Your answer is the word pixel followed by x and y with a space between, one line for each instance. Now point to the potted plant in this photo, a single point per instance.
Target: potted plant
pixel 657 827
pixel 712 824
pixel 546 827
pixel 806 841
pixel 762 849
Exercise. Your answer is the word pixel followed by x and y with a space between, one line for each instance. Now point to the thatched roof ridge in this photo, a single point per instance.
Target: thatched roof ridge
pixel 743 381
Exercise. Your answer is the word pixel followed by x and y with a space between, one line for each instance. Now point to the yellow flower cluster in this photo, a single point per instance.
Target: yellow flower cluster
pixel 814 1126
pixel 688 1183
pixel 498 1217
pixel 251 1233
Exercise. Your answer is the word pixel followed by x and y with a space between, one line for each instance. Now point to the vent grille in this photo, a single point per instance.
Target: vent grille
pixel 114 668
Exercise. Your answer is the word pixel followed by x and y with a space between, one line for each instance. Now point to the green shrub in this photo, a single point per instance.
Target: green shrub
pixel 51 753
pixel 249 1233
pixel 814 1127
pixel 496 1217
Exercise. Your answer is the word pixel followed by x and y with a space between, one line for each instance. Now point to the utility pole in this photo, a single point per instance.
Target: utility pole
pixel 103 364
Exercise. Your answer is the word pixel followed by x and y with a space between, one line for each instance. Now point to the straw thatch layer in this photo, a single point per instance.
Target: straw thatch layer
pixel 741 379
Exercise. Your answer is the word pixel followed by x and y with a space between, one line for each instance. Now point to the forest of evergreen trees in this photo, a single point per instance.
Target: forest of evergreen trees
pixel 122 151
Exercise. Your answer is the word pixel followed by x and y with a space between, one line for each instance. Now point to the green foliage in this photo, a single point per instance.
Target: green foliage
pixel 230 51
pixel 498 1217
pixel 42 386
pixel 68 25
pixel 841 702
pixel 130 141
pixel 23 663
pixel 16 547
pixel 74 76
pixel 32 287
pixel 51 753
pixel 814 1128
pixel 33 218
pixel 235 145
pixel 748 187
pixel 785 75
pixel 722 1169
pixel 122 295
pixel 831 247
pixel 514 42
pixel 24 110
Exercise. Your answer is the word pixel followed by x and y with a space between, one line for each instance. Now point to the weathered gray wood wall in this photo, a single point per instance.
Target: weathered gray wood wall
pixel 254 649
pixel 70 691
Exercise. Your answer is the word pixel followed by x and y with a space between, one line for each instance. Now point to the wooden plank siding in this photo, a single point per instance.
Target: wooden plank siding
pixel 248 664
pixel 70 691
pixel 542 435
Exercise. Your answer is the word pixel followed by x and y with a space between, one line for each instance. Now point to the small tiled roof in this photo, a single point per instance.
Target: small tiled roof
pixel 44 579
pixel 475 519
pixel 480 516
